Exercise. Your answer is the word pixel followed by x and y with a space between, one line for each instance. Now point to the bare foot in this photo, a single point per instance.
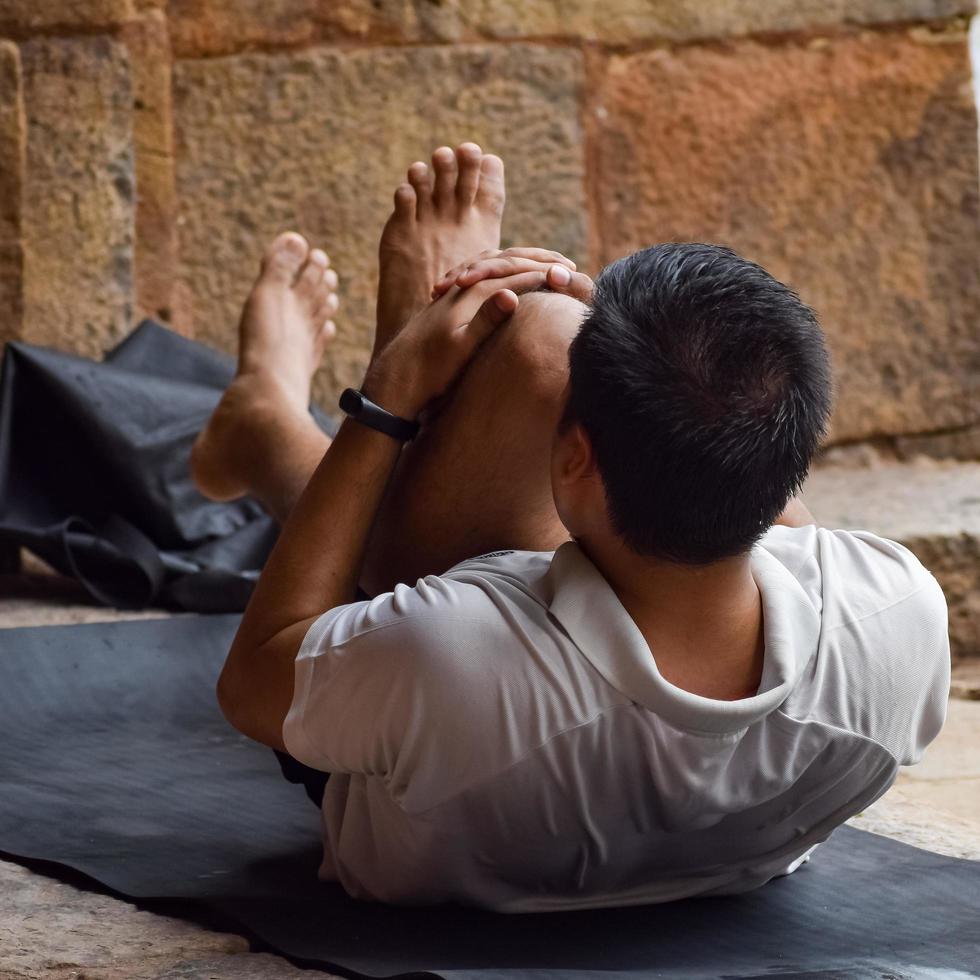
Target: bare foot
pixel 285 327
pixel 438 222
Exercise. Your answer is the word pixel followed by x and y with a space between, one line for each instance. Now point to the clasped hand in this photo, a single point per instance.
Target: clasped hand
pixel 469 304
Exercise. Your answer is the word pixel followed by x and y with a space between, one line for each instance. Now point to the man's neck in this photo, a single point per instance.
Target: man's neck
pixel 703 623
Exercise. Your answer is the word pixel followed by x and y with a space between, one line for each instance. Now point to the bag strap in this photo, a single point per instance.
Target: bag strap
pixel 132 548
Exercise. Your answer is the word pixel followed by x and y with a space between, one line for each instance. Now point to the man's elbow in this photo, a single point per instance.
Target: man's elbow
pixel 246 712
pixel 230 701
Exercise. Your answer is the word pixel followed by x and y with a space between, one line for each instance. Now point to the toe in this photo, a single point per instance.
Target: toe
pixel 421 182
pixel 284 258
pixel 311 277
pixel 444 164
pixel 468 157
pixel 490 193
pixel 405 202
pixel 328 306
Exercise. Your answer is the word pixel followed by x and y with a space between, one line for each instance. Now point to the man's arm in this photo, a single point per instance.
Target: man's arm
pixel 316 562
pixel 795 514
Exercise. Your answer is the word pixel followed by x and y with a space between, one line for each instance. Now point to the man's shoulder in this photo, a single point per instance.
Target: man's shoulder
pixel 881 669
pixel 506 565
pixel 855 575
pixel 482 594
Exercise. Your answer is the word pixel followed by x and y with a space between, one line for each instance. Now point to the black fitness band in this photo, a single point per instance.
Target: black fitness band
pixel 361 409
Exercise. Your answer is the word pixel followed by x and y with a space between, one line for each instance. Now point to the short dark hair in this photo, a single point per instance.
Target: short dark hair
pixel 704 386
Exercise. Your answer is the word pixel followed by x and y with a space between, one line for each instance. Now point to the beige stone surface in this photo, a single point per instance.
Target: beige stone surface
pixel 936 803
pixel 966 680
pixel 933 508
pixel 54 931
pixel 319 140
pixel 78 193
pixel 846 166
pixel 13 138
pixel 147 41
pixel 207 27
pixel 961 444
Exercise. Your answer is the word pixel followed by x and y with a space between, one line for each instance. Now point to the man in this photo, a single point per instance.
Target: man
pixel 686 697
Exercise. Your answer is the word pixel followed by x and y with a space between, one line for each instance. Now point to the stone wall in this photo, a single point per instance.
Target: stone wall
pixel 148 150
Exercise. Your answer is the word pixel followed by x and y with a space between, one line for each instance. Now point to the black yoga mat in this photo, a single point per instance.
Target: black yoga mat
pixel 114 761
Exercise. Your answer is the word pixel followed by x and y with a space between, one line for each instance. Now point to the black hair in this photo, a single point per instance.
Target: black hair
pixel 704 386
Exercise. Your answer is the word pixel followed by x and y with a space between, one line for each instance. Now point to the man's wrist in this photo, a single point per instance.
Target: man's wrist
pixel 392 395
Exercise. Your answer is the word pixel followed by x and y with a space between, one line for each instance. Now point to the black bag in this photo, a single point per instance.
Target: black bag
pixel 95 477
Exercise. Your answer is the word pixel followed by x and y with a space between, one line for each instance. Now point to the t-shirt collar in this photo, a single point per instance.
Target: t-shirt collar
pixel 592 615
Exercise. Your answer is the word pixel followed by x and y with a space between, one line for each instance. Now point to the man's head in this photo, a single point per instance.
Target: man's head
pixel 702 387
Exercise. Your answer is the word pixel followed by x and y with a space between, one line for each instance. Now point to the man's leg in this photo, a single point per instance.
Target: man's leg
pixel 477 478
pixel 256 442
pixel 261 439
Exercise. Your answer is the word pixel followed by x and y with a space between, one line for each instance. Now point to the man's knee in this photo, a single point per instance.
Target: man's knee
pixel 530 354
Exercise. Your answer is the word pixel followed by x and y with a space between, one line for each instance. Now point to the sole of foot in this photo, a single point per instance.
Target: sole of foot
pixel 443 215
pixel 286 325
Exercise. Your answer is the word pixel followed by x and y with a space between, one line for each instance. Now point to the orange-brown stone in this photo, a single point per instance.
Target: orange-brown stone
pixel 847 167
pixel 155 254
pixel 24 16
pixel 317 141
pixel 207 27
pixel 78 193
pixel 12 143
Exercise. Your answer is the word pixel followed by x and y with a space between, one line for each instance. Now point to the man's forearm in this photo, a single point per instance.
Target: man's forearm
pixel 314 567
pixel 316 563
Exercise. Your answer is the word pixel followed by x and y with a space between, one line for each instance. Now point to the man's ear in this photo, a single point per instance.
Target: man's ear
pixel 576 460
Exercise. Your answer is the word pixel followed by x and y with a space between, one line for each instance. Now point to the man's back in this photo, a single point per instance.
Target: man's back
pixel 500 735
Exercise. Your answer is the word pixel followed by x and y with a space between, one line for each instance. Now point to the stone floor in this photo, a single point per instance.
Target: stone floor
pixel 52 930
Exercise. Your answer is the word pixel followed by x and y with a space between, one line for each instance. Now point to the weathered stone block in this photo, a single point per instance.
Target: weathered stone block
pixel 849 169
pixel 932 509
pixel 961 444
pixel 318 141
pixel 78 193
pixel 209 27
pixel 631 21
pixel 155 255
pixel 202 27
pixel 20 16
pixel 12 142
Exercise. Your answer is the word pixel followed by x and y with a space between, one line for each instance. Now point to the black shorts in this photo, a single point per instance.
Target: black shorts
pixel 312 780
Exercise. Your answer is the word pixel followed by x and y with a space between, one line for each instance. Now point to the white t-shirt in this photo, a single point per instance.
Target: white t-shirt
pixel 500 735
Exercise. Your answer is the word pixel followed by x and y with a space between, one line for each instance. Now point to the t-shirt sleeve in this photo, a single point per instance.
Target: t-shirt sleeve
pixel 370 681
pixel 893 613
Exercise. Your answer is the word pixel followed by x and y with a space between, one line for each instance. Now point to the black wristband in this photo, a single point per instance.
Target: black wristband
pixel 361 409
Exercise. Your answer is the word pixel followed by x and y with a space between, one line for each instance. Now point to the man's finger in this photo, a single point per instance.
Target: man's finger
pixel 495 311
pixel 539 255
pixel 497 268
pixel 496 265
pixel 518 282
pixel 448 279
pixel 575 284
pixel 501 264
